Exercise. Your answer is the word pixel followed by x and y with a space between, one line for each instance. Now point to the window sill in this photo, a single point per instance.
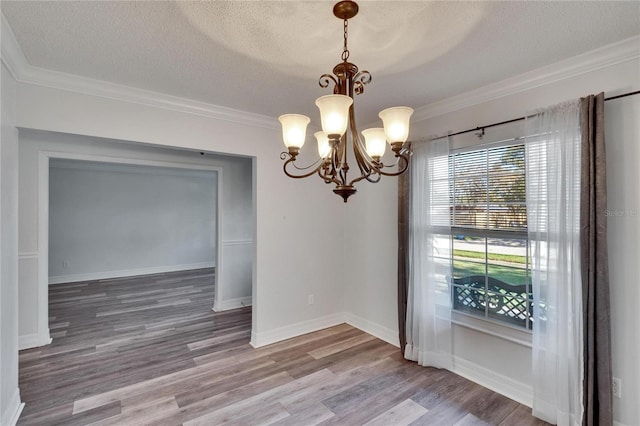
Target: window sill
pixel 512 334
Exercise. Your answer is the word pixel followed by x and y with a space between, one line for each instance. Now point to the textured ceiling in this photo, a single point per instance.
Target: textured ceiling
pixel 266 56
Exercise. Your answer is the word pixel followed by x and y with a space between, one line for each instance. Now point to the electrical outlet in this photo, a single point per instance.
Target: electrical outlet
pixel 65 264
pixel 310 299
pixel 616 387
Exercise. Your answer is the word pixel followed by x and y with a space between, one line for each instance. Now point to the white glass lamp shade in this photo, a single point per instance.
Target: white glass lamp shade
pixel 294 129
pixel 375 142
pixel 324 149
pixel 396 123
pixel 334 113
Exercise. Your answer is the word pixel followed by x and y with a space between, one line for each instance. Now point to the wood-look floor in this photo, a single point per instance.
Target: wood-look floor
pixel 149 350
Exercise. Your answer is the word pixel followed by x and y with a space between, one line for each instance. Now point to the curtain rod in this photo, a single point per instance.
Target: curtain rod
pixel 482 128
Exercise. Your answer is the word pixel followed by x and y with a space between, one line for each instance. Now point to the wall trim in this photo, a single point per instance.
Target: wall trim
pixel 22 71
pixel 113 159
pixel 383 333
pixel 264 338
pixel 128 272
pixel 240 302
pixel 513 389
pixel 13 410
pixel 28 255
pixel 120 167
pixel 35 340
pixel 309 326
pixel 603 57
pixel 504 332
pixel 236 242
pixel 12 56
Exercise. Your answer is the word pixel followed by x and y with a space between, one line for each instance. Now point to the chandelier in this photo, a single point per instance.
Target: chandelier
pixel 337 116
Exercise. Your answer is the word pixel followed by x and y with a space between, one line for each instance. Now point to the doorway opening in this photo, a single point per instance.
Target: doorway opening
pixel 226 238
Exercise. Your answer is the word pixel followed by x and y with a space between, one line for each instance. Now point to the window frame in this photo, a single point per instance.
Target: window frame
pixel 485 324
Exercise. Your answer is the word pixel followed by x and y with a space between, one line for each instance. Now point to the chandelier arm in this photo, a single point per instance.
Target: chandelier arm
pixel 361 177
pixel 304 175
pixel 333 169
pixel 342 163
pixel 401 169
pixel 365 162
pixel 330 170
pixel 284 155
pixel 327 178
pixel 369 170
pixel 366 167
pixel 374 178
pixel 359 80
pixel 363 76
pixel 326 79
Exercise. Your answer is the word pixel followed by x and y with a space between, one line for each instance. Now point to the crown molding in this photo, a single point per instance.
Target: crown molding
pixel 603 57
pixel 22 71
pixel 12 56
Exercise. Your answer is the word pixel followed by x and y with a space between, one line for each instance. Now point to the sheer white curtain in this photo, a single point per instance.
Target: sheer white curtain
pixel 429 266
pixel 553 216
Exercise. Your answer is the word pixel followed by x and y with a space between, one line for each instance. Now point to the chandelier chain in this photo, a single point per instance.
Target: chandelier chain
pixel 345 50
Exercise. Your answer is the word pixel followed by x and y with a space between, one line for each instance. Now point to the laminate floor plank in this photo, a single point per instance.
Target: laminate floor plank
pixel 312 414
pixel 316 394
pixel 402 414
pixel 521 416
pixel 149 350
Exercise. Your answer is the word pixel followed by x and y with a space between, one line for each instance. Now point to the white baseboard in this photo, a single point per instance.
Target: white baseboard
pixel 240 302
pixel 13 410
pixel 617 423
pixel 372 328
pixel 304 327
pixel 128 272
pixel 34 340
pixel 294 330
pixel 518 391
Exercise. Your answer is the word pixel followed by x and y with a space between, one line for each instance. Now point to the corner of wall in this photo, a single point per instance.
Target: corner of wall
pixel 13 410
pixel 383 333
pixel 513 389
pixel 29 341
pixel 282 333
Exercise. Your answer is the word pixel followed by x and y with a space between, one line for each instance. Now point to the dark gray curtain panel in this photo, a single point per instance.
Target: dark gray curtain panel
pixel 403 238
pixel 595 266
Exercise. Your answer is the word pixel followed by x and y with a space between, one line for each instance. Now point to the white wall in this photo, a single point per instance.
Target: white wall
pixel 478 355
pixel 111 220
pixel 10 405
pixel 296 234
pixel 622 134
pixel 371 250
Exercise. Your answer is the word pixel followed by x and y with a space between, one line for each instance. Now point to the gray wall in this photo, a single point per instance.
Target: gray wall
pixel 109 220
pixel 36 147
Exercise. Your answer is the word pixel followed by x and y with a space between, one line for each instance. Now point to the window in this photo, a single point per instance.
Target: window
pixel 490 259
